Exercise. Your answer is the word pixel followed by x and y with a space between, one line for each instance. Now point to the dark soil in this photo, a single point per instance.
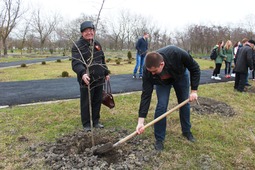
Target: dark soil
pixel 75 151
pixel 250 89
pixel 210 106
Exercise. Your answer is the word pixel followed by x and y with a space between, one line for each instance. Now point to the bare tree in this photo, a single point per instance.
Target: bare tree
pixel 9 17
pixel 126 29
pixel 155 36
pixel 32 42
pixel 44 25
pixel 63 40
pixel 166 39
pixel 127 23
pixel 194 33
pixel 238 33
pixel 22 35
pixel 114 36
pixel 250 24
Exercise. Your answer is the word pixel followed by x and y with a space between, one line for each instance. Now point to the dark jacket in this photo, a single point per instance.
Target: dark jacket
pixel 97 67
pixel 141 46
pixel 253 57
pixel 244 59
pixel 239 47
pixel 176 61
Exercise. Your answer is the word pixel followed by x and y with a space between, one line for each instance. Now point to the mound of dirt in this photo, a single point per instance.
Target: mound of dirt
pixel 250 89
pixel 210 106
pixel 75 151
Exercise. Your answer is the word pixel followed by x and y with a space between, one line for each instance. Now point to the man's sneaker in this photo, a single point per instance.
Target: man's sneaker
pixel 189 136
pixel 87 128
pixel 134 76
pixel 233 75
pixel 140 77
pixel 217 78
pixel 98 125
pixel 159 146
pixel 213 77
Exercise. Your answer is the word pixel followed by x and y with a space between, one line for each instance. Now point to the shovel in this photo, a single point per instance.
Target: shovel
pixel 109 146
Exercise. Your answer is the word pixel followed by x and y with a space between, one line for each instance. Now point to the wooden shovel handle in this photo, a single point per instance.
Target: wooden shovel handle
pixel 152 122
pixel 167 113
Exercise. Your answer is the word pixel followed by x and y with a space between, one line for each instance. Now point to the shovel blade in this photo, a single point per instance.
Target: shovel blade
pixel 103 149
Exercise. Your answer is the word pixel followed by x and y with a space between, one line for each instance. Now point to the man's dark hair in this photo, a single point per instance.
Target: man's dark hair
pixel 153 59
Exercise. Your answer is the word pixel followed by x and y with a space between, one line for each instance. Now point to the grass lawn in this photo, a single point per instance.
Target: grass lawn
pixel 229 142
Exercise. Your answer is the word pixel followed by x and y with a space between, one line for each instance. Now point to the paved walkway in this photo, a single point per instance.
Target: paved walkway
pixel 24 92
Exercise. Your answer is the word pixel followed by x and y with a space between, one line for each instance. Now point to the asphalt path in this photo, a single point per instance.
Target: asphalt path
pixel 27 92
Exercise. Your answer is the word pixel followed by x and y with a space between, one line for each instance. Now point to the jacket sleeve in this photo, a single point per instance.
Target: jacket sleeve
pixel 194 70
pixel 105 66
pixel 222 53
pixel 250 58
pixel 147 87
pixel 77 63
pixel 138 46
pixel 253 58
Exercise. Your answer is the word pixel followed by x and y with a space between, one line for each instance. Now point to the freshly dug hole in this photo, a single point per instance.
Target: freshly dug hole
pixel 75 151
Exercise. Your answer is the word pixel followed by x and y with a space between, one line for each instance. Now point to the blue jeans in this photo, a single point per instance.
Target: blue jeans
pixel 139 64
pixel 247 78
pixel 181 88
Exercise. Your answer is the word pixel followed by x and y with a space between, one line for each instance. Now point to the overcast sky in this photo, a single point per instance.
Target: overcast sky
pixel 170 14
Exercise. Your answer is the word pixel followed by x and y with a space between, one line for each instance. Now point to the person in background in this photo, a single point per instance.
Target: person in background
pixel 228 51
pixel 253 71
pixel 165 68
pixel 218 60
pixel 243 42
pixel 235 48
pixel 243 62
pixel 91 70
pixel 142 48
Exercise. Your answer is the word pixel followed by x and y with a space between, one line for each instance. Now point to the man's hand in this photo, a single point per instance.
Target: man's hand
pixel 193 95
pixel 86 79
pixel 140 126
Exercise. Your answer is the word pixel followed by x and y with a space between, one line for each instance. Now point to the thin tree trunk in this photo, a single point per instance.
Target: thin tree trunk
pixel 91 118
pixel 5 47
